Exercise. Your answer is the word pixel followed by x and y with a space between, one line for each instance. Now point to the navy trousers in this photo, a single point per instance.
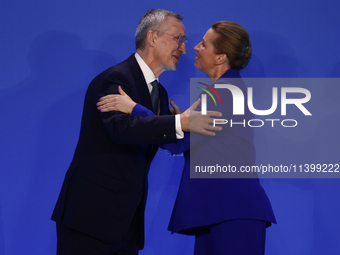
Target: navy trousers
pixel 72 242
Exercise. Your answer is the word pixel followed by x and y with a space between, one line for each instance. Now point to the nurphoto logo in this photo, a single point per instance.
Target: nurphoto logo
pixel 238 104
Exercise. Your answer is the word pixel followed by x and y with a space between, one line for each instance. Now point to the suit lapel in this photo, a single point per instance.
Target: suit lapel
pixel 143 90
pixel 141 85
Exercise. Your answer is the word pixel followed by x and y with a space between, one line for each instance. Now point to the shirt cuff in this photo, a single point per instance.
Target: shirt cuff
pixel 179 131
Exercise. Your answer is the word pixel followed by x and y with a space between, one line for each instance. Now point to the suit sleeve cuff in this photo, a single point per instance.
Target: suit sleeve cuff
pixel 140 110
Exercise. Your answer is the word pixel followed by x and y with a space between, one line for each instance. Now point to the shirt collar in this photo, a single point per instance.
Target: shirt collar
pixel 147 72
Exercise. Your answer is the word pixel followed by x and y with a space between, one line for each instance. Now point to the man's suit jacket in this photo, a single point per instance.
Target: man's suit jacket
pixel 106 183
pixel 204 202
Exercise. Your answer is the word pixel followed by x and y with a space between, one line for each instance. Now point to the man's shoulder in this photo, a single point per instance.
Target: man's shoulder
pixel 121 71
pixel 125 66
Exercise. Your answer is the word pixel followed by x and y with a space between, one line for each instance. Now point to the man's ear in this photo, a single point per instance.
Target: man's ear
pixel 151 38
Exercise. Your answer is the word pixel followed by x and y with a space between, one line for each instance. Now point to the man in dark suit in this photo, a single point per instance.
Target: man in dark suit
pixel 101 205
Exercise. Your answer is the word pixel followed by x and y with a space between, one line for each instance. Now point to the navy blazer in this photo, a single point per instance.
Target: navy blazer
pixel 202 202
pixel 106 183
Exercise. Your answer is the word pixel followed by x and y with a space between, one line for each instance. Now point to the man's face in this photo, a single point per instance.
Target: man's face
pixel 167 50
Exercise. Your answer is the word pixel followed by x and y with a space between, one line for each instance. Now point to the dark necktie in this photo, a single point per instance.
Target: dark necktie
pixel 155 96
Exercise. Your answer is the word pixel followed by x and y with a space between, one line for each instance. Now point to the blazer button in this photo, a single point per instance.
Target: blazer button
pixel 164 136
pixel 140 191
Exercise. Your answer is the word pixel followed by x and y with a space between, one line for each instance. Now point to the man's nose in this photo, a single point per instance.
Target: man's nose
pixel 183 48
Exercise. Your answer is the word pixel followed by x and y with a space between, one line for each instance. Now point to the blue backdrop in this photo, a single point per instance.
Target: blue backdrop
pixel 51 50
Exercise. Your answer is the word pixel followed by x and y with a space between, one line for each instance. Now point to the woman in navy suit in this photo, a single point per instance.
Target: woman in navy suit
pixel 227 215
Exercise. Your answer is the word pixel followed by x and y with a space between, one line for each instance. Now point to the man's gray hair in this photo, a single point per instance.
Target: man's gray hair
pixel 151 20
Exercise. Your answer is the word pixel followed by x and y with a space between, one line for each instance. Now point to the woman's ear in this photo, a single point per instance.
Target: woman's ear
pixel 221 59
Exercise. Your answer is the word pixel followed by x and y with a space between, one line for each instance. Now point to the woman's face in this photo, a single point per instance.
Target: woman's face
pixel 205 60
